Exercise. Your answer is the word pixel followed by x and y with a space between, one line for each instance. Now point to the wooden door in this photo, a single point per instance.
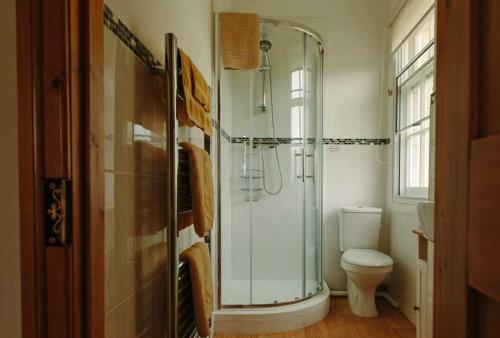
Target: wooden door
pixel 467 270
pixel 60 90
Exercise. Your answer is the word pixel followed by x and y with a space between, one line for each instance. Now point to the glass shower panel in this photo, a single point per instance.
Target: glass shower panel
pixel 271 160
pixel 313 162
pixel 278 215
pixel 238 174
pixel 134 170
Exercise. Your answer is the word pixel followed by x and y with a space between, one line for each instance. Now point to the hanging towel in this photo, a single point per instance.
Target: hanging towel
pixel 195 109
pixel 240 39
pixel 190 113
pixel 201 90
pixel 198 259
pixel 202 191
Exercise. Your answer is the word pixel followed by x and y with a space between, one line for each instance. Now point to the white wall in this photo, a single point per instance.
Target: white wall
pixel 191 21
pixel 355 36
pixel 10 279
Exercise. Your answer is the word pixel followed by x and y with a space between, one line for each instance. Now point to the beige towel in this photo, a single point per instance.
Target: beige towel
pixel 198 259
pixel 201 90
pixel 240 39
pixel 202 190
pixel 192 111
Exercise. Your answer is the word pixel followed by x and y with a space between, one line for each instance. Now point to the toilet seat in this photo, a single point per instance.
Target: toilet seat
pixel 366 260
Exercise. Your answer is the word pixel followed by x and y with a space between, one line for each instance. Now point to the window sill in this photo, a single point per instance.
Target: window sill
pixel 406 205
pixel 408 200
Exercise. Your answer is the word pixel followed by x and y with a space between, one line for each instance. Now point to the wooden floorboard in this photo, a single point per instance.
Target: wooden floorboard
pixel 342 323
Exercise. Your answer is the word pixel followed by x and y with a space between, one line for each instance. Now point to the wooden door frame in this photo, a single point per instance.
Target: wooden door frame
pixel 456 125
pixel 61 288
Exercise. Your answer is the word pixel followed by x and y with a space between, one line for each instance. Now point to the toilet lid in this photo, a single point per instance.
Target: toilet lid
pixel 367 257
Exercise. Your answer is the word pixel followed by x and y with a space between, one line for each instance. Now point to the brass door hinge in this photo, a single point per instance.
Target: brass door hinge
pixel 57 212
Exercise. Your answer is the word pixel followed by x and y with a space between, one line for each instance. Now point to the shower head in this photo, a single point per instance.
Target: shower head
pixel 265 45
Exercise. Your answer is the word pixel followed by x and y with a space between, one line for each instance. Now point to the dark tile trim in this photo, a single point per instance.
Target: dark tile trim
pixel 128 38
pixel 357 141
pixel 288 140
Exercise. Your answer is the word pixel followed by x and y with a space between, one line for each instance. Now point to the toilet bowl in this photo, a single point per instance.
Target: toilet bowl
pixel 366 269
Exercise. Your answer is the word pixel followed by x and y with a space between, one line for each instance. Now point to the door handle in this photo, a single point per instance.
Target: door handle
pixel 313 176
pixel 301 155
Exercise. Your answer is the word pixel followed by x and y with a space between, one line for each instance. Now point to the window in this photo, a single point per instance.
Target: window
pixel 297 84
pixel 297 116
pixel 414 61
pixel 297 102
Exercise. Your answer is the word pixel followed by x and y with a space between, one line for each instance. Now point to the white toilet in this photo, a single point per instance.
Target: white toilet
pixel 366 267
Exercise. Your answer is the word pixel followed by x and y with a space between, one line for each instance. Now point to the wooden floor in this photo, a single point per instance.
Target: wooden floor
pixel 342 323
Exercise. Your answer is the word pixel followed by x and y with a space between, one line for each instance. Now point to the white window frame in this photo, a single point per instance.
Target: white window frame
pixel 401 77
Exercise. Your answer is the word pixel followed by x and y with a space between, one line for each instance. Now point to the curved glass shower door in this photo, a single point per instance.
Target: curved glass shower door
pixel 271 167
pixel 278 218
pixel 313 150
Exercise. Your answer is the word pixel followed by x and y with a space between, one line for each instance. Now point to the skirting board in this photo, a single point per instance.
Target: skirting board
pixel 384 295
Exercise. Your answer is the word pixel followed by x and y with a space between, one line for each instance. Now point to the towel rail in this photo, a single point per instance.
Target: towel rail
pixel 172 159
pixel 185 310
pixel 181 321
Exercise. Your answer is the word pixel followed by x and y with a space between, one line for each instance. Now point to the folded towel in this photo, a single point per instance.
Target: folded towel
pixel 240 39
pixel 195 109
pixel 190 113
pixel 198 259
pixel 201 90
pixel 202 191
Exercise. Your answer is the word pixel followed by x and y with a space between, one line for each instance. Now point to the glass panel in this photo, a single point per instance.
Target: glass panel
pixel 277 237
pixel 415 97
pixel 134 173
pixel 263 174
pixel 239 174
pixel 416 66
pixel 414 161
pixel 416 42
pixel 313 150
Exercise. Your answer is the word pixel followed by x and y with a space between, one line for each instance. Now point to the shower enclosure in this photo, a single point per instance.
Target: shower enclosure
pixel 270 165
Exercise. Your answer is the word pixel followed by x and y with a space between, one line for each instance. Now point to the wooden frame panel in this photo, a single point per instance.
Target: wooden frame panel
pixel 29 98
pixel 484 240
pixel 94 165
pixel 456 105
pixel 60 60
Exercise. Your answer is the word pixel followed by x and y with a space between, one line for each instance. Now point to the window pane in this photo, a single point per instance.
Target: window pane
pixel 296 80
pixel 416 66
pixel 296 128
pixel 415 97
pixel 415 85
pixel 414 161
pixel 297 83
pixel 416 42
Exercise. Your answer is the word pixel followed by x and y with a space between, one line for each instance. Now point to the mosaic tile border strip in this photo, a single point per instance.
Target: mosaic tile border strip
pixel 288 140
pixel 326 141
pixel 128 38
pixel 358 141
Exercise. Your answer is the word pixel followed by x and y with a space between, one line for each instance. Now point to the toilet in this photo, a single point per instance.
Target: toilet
pixel 365 266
